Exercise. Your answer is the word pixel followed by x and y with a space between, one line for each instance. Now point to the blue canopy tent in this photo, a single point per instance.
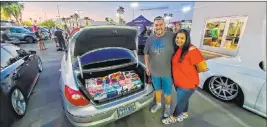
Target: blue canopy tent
pixel 140 21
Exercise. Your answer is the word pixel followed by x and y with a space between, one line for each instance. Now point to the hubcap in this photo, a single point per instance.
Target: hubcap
pixel 29 40
pixel 40 65
pixel 18 102
pixel 223 88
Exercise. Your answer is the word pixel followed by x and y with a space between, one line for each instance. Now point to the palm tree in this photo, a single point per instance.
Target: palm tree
pixel 86 20
pixel 64 20
pixel 71 19
pixel 12 9
pixel 76 17
pixel 120 11
pixel 68 20
pixel 106 19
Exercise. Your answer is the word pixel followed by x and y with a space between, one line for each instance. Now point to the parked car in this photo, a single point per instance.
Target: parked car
pixel 21 33
pixel 96 51
pixel 228 79
pixel 44 31
pixel 6 39
pixel 17 82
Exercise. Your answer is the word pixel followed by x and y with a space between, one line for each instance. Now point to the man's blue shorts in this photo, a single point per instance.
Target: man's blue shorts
pixel 164 83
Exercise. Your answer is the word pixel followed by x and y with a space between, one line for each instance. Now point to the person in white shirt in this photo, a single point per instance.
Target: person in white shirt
pixel 54 38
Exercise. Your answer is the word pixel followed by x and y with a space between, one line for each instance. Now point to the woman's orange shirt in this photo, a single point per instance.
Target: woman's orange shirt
pixel 185 74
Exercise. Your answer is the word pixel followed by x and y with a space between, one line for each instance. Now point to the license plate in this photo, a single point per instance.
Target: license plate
pixel 126 110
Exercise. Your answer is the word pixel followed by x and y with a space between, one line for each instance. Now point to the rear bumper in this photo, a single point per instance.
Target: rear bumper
pixel 95 116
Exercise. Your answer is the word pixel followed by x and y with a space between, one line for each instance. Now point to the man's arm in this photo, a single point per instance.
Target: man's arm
pixel 146 54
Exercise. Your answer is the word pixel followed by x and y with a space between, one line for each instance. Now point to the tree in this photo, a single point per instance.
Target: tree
pixel 64 20
pixel 71 19
pixel 86 20
pixel 120 11
pixel 12 9
pixel 27 23
pixel 47 23
pixel 76 17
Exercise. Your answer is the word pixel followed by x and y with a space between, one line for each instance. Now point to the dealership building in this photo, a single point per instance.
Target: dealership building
pixel 241 28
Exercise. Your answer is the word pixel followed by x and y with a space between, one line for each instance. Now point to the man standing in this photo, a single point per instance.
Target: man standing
pixel 215 33
pixel 60 38
pixel 158 53
pixel 53 37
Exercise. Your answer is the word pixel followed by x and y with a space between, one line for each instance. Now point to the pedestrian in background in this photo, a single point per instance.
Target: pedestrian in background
pixel 53 37
pixel 61 40
pixel 40 39
pixel 187 62
pixel 158 53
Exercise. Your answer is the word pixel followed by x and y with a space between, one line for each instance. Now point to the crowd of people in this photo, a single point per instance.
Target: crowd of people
pixel 57 35
pixel 171 59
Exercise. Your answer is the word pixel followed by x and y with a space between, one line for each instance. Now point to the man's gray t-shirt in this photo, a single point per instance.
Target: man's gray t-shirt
pixel 160 51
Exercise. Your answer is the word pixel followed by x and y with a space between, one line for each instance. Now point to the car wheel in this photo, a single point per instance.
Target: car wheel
pixel 40 65
pixel 29 39
pixel 223 88
pixel 18 102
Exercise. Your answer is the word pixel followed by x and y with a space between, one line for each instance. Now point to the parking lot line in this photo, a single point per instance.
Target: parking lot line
pixel 224 110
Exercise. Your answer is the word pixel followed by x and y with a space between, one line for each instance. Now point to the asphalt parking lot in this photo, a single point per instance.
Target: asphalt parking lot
pixel 45 109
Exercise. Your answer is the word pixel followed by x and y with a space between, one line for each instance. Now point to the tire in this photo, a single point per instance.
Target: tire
pixel 223 88
pixel 29 39
pixel 40 65
pixel 16 96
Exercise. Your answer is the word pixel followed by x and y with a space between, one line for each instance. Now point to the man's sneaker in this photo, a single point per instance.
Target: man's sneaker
pixel 185 115
pixel 155 108
pixel 169 120
pixel 167 111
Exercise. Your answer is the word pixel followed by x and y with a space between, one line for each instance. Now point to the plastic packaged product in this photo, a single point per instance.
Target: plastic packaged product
pixel 100 96
pixel 112 94
pixel 117 87
pixel 90 82
pixel 137 82
pixel 92 92
pixel 106 80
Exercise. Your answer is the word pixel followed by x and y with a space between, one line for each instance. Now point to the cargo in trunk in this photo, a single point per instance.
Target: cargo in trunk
pixel 109 84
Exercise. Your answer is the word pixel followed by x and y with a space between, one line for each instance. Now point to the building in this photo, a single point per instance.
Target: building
pixel 241 28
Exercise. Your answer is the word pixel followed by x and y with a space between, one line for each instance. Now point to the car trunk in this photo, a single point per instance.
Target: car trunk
pixel 99 51
pixel 138 69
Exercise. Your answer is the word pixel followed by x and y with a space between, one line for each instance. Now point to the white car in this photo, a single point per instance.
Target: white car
pixel 228 79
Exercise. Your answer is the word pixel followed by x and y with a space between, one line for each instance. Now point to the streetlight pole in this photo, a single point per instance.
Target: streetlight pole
pixel 44 14
pixel 185 10
pixel 134 5
pixel 58 11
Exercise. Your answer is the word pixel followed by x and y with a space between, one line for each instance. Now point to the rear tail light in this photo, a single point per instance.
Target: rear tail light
pixel 75 97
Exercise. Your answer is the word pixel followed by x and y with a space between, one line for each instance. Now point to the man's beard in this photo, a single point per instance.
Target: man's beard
pixel 160 33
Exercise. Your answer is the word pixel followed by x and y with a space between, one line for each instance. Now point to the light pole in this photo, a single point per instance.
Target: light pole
pixel 44 13
pixel 185 10
pixel 58 11
pixel 134 5
pixel 79 13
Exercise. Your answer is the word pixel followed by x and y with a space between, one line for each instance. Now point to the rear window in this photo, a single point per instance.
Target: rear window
pixel 117 55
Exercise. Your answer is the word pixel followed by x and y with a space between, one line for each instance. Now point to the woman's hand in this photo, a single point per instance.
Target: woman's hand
pixel 147 72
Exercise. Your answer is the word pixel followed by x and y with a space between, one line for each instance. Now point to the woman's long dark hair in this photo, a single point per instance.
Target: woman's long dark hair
pixel 186 45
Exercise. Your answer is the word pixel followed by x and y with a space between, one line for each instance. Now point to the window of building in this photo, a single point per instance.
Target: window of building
pixel 223 33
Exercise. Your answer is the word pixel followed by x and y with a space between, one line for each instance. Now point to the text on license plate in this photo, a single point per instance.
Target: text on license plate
pixel 126 110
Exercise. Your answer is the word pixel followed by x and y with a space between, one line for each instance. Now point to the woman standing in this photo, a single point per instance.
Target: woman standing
pixel 187 62
pixel 40 39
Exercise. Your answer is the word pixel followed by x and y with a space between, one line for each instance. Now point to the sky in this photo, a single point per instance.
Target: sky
pixel 99 10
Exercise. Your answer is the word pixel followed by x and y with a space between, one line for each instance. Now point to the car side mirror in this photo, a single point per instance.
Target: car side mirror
pixel 262 65
pixel 32 52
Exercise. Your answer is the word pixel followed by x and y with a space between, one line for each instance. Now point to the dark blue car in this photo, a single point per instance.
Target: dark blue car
pixel 20 70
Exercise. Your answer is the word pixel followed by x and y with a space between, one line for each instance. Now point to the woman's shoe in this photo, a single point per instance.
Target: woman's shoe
pixel 185 115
